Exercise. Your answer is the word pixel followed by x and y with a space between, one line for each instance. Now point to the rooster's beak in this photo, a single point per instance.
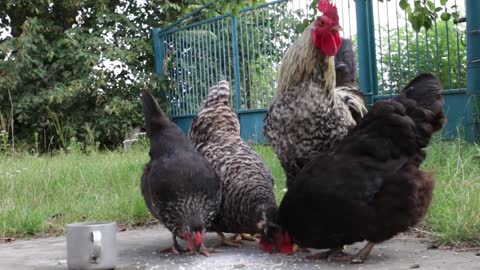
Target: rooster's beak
pixel 337 28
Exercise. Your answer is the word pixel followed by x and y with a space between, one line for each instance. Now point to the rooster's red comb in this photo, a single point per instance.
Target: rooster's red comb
pixel 325 6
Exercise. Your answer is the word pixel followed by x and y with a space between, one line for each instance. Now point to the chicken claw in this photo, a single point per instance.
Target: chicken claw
pixel 296 248
pixel 206 251
pixel 228 242
pixel 172 249
pixel 176 248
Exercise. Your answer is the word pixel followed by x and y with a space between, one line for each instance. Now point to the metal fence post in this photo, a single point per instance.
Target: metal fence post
pixel 366 49
pixel 158 51
pixel 473 70
pixel 236 64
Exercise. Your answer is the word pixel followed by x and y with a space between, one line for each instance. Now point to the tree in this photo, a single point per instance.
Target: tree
pixel 75 68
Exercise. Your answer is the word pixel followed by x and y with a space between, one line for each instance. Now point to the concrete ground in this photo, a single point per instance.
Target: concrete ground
pixel 136 250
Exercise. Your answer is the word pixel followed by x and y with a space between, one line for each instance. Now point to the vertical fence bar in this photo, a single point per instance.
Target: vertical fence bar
pixel 459 65
pixel 399 71
pixel 366 49
pixel 448 56
pixel 236 66
pixel 194 70
pixel 229 60
pixel 436 49
pixel 381 87
pixel 408 47
pixel 254 89
pixel 270 58
pixel 244 73
pixel 158 51
pixel 473 70
pixel 390 76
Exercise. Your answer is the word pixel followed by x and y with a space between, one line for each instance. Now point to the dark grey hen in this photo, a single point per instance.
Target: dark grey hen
pixel 179 186
pixel 248 200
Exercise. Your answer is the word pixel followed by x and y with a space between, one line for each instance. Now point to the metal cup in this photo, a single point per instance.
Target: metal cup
pixel 91 245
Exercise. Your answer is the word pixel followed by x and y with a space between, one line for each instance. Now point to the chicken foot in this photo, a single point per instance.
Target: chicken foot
pixel 331 254
pixel 224 241
pixel 243 236
pixel 296 248
pixel 206 251
pixel 337 255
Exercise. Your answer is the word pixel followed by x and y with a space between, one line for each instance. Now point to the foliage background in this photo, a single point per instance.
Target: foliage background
pixel 404 52
pixel 75 68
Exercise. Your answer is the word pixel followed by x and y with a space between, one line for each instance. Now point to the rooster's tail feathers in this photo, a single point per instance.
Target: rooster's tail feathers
pixel 353 98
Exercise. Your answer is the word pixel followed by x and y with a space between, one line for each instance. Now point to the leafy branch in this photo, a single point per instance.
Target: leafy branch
pixel 423 13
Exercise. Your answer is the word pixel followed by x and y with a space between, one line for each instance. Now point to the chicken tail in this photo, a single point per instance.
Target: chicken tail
pixel 396 130
pixel 354 99
pixel 423 102
pixel 154 116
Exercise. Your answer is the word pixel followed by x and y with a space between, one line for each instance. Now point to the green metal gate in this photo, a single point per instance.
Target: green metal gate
pixel 392 54
pixel 247 50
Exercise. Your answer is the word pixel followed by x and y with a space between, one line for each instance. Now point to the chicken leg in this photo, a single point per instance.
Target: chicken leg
pixel 363 254
pixel 176 248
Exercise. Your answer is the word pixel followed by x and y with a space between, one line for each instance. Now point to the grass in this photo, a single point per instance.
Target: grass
pixel 39 195
pixel 454 215
pixel 266 153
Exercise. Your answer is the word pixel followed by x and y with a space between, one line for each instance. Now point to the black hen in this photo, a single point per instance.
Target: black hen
pixel 346 79
pixel 178 184
pixel 345 64
pixel 248 200
pixel 370 187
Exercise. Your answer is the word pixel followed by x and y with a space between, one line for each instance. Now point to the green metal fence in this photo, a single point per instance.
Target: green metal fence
pixel 247 50
pixel 391 53
pixel 402 53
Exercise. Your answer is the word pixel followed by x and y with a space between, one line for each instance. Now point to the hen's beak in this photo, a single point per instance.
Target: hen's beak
pixel 337 28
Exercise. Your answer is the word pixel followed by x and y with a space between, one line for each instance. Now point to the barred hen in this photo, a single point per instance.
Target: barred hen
pixel 248 200
pixel 179 186
pixel 370 186
pixel 309 114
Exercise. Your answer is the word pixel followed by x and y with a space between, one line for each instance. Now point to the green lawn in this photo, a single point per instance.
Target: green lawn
pixel 39 195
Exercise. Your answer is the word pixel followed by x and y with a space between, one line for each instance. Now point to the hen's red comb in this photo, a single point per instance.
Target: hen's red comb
pixel 326 6
pixel 265 246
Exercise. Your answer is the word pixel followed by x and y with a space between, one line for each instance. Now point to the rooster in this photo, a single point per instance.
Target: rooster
pixel 308 114
pixel 248 201
pixel 179 186
pixel 369 186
